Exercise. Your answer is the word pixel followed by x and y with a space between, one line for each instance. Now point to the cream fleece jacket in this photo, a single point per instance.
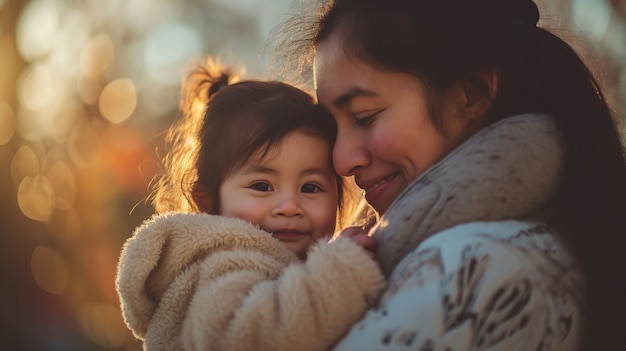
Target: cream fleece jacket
pixel 202 282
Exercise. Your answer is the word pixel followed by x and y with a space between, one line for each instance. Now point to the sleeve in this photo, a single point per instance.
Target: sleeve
pixel 159 265
pixel 465 289
pixel 308 306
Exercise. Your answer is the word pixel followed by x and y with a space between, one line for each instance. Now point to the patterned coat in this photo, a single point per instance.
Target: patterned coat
pixel 202 282
pixel 470 261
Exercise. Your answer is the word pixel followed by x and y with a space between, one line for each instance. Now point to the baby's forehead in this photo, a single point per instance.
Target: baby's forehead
pixel 296 151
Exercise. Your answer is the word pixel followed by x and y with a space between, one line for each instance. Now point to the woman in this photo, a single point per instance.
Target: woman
pixel 489 150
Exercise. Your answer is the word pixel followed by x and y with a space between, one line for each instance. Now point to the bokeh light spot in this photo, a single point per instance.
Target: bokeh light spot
pixel 118 100
pixel 592 16
pixel 7 123
pixel 103 324
pixel 61 179
pixel 85 144
pixel 37 29
pixel 49 269
pixel 24 163
pixel 36 88
pixel 170 47
pixel 96 55
pixel 64 119
pixel 87 90
pixel 54 121
pixel 35 197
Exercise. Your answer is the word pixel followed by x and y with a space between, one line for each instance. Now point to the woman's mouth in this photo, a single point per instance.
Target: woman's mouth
pixel 378 194
pixel 372 188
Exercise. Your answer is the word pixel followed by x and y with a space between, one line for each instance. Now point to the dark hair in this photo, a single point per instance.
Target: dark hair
pixel 224 123
pixel 443 41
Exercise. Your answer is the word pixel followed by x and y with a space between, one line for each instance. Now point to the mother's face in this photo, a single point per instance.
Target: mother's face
pixel 386 137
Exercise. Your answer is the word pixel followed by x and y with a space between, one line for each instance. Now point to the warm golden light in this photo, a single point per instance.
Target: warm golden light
pixel 24 163
pixel 96 55
pixel 35 198
pixel 7 123
pixel 87 90
pixel 61 179
pixel 65 225
pixel 103 324
pixel 118 100
pixel 85 144
pixel 37 87
pixel 37 27
pixel 49 269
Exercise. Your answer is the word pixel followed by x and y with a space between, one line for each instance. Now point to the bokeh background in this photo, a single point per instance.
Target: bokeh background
pixel 87 89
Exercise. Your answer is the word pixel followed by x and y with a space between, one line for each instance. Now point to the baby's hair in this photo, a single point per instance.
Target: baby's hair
pixel 224 122
pixel 172 186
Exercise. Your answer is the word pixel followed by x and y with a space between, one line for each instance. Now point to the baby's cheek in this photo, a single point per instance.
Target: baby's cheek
pixel 321 216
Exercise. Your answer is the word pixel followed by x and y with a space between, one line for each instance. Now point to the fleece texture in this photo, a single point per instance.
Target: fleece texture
pixel 202 282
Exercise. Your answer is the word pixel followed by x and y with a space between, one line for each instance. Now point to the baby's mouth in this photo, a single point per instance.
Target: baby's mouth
pixel 288 234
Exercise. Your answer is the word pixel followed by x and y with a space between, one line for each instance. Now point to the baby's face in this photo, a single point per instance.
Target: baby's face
pixel 291 192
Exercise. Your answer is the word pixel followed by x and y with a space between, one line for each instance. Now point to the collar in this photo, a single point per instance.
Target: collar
pixel 508 170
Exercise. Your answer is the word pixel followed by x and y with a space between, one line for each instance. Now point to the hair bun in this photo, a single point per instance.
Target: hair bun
pixel 528 11
pixel 219 83
pixel 525 12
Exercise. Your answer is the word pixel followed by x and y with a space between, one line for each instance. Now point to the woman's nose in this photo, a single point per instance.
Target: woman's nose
pixel 287 205
pixel 349 154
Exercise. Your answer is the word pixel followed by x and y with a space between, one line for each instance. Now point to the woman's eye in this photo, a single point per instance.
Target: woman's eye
pixel 261 186
pixel 310 188
pixel 364 121
pixel 367 119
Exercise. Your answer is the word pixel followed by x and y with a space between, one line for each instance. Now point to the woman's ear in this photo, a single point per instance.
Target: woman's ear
pixel 202 198
pixel 479 90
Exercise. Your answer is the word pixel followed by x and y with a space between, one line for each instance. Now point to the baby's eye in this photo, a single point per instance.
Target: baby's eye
pixel 261 186
pixel 311 188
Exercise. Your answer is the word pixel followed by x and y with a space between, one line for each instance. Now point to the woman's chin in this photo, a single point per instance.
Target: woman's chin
pixel 380 204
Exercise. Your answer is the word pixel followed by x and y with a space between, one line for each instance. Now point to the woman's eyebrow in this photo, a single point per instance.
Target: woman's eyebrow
pixel 353 92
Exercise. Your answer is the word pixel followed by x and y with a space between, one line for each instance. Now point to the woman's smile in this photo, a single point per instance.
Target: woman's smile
pixel 376 190
pixel 391 148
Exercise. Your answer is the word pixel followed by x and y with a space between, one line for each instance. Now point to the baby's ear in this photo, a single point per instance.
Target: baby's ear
pixel 202 198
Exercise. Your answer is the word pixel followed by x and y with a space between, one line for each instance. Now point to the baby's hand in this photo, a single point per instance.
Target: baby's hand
pixel 360 237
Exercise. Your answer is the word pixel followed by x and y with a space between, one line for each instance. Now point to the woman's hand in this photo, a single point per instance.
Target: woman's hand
pixel 360 237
